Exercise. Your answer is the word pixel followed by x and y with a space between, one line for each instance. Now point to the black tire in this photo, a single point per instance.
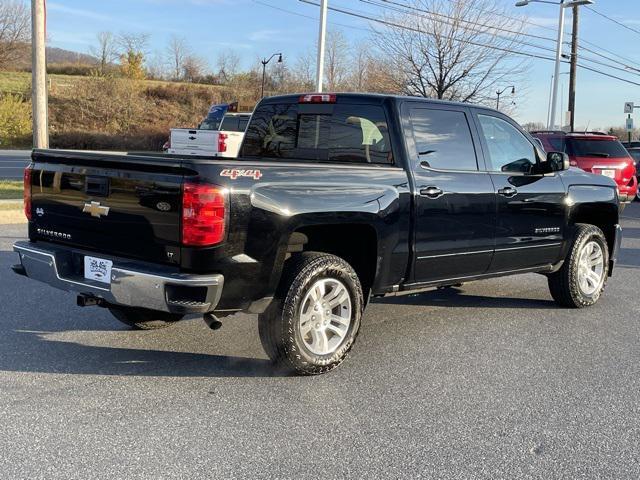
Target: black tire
pixel 279 325
pixel 143 319
pixel 564 285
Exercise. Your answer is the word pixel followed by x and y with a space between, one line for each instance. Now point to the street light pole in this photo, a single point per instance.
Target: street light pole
pixel 39 75
pixel 556 77
pixel 322 36
pixel 265 62
pixel 563 4
pixel 500 92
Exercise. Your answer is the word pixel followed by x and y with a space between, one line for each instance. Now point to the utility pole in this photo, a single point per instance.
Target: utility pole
pixel 39 74
pixel 322 36
pixel 556 73
pixel 574 69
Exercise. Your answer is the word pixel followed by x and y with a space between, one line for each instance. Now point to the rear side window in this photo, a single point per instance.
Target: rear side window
pixel 443 139
pixel 325 133
pixel 582 147
pixel 229 124
pixel 234 123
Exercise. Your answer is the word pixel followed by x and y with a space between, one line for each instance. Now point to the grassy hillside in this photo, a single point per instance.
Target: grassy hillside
pixel 106 113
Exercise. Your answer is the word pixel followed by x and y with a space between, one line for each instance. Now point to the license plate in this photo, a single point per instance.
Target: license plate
pixel 608 173
pixel 97 269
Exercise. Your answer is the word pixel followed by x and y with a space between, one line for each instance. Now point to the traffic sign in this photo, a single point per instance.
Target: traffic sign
pixel 630 124
pixel 628 107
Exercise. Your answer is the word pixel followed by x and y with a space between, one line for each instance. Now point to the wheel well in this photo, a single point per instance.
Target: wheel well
pixel 355 243
pixel 603 217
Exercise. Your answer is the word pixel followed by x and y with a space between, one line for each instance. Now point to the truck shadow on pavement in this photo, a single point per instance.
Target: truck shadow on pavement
pixel 41 333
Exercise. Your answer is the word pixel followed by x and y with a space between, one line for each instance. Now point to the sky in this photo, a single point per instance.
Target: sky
pixel 258 28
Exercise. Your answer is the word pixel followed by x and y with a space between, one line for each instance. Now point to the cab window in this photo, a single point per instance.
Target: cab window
pixel 509 150
pixel 443 139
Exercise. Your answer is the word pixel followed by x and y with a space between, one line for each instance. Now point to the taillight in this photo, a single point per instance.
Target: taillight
pixel 27 193
pixel 203 215
pixel 318 98
pixel 222 142
pixel 628 171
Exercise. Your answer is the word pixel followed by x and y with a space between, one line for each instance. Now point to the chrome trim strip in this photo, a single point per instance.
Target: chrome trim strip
pixel 455 254
pixel 557 244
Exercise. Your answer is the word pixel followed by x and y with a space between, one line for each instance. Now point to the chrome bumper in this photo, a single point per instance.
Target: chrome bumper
pixel 133 284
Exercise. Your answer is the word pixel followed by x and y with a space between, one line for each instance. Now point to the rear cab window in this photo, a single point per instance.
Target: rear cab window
pixel 329 132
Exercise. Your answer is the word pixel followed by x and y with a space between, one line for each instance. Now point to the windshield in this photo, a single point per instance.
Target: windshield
pixel 582 147
pixel 214 117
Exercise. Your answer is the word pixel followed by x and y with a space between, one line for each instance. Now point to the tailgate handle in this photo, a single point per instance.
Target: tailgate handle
pixel 98 186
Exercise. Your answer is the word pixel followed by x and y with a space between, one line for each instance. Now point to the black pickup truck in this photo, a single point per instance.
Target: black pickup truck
pixel 332 200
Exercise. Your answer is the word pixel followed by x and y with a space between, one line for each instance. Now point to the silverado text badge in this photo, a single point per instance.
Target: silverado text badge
pixel 95 209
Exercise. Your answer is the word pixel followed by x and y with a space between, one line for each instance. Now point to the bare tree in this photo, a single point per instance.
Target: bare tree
pixel 452 49
pixel 178 52
pixel 227 64
pixel 15 23
pixel 133 42
pixel 336 60
pixel 360 62
pixel 194 68
pixel 104 50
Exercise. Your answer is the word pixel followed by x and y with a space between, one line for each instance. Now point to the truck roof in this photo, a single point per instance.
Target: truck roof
pixel 380 97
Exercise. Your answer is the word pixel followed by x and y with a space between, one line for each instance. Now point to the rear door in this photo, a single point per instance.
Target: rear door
pixel 530 208
pixel 455 209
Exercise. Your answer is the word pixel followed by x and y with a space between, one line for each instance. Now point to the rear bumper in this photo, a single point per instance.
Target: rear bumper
pixel 615 251
pixel 133 284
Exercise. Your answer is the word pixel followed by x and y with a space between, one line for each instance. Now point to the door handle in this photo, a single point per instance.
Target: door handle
pixel 431 192
pixel 508 192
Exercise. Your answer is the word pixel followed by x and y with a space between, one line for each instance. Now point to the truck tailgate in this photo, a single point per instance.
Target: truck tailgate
pixel 123 205
pixel 194 142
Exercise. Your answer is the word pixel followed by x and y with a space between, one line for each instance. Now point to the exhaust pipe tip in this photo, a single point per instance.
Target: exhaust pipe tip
pixel 212 321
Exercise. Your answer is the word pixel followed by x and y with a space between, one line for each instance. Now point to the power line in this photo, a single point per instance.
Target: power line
pixel 310 17
pixel 404 8
pixel 613 20
pixel 493 47
pixel 448 17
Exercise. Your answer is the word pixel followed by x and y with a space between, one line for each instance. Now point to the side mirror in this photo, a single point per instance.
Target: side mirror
pixel 558 161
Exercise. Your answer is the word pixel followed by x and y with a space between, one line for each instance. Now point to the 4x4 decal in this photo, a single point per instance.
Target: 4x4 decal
pixel 234 173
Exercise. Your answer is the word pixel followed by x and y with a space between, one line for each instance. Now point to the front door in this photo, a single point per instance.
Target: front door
pixel 454 199
pixel 531 219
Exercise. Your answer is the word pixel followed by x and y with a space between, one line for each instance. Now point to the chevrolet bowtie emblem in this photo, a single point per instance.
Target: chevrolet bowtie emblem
pixel 95 209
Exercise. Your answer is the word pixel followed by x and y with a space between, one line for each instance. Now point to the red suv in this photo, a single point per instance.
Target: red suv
pixel 598 153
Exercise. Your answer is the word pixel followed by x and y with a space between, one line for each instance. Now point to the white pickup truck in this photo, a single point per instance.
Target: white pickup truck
pixel 213 138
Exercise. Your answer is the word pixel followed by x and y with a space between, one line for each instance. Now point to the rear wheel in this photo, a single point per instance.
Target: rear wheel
pixel 143 319
pixel 315 318
pixel 582 278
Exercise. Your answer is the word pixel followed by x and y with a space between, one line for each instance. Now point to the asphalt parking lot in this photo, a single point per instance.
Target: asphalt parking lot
pixel 491 381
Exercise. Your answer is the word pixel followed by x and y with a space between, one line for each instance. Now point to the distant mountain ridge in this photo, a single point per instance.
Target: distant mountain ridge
pixel 60 55
pixel 54 56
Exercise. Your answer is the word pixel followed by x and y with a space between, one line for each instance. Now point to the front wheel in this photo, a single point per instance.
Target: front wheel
pixel 315 318
pixel 143 319
pixel 582 278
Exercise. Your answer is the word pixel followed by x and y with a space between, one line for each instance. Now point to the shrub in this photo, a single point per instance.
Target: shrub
pixel 15 121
